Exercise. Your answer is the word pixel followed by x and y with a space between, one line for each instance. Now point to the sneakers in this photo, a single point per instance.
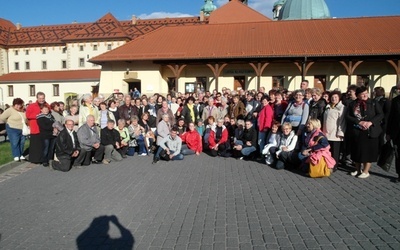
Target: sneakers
pixel 354 173
pixel 22 158
pixel 143 154
pixel 105 161
pixel 363 175
pixel 16 158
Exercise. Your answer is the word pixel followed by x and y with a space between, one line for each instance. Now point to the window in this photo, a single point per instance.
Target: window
pixel 26 52
pixel 277 82
pixel 32 90
pixel 109 47
pixel 44 64
pixel 10 90
pixel 64 50
pixel 201 83
pixel 95 47
pixel 81 62
pixel 81 48
pixel 16 52
pixel 43 51
pixel 63 64
pixel 16 66
pixel 27 66
pixel 56 90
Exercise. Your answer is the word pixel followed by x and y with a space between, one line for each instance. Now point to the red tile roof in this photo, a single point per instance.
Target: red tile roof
pixel 319 38
pixel 5 28
pixel 106 27
pixel 236 12
pixel 51 76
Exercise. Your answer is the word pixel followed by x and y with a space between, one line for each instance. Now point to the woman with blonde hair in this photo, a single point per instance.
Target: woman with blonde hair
pixel 88 108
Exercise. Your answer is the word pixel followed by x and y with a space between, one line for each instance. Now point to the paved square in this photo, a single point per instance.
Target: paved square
pixel 198 203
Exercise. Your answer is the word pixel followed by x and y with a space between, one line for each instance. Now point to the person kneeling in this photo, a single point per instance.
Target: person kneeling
pixel 218 140
pixel 111 140
pixel 171 145
pixel 67 148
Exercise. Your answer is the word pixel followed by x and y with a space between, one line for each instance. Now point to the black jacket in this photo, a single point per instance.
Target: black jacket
pixel 393 125
pixel 64 145
pixel 109 137
pixel 373 113
pixel 185 114
pixel 249 135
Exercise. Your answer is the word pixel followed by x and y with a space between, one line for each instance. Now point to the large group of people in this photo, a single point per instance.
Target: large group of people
pixel 281 128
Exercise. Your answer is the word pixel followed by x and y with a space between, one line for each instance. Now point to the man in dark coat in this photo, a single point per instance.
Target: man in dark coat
pixel 111 140
pixel 393 129
pixel 67 148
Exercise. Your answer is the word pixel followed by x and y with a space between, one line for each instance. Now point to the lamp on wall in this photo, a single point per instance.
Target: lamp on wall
pixel 127 70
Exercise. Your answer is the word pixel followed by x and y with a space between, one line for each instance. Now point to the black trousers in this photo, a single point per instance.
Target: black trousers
pixel 35 149
pixel 85 157
pixel 64 164
pixel 335 150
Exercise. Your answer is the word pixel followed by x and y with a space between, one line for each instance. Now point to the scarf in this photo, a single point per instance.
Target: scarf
pixel 191 110
pixel 359 109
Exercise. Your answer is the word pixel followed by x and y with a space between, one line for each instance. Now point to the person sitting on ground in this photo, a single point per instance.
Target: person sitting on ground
pixel 111 140
pixel 192 141
pixel 247 142
pixel 273 138
pixel 209 125
pixel 89 140
pixel 315 145
pixel 172 145
pixel 136 137
pixel 218 141
pixel 67 148
pixel 124 136
pixel 285 154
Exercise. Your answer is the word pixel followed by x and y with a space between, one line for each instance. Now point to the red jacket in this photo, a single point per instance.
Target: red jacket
pixel 31 112
pixel 211 138
pixel 265 118
pixel 193 140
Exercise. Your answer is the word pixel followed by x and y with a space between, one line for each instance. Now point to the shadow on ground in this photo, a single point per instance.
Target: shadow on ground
pixel 98 235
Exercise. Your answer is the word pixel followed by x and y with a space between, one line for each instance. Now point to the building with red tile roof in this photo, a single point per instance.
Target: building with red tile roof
pixel 235 47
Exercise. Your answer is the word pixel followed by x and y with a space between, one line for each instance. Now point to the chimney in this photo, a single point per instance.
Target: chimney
pixel 134 20
pixel 201 16
pixel 19 26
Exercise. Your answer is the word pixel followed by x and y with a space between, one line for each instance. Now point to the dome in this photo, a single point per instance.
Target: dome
pixel 208 7
pixel 304 9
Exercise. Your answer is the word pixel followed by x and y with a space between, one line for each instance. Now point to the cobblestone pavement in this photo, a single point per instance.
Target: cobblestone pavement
pixel 198 203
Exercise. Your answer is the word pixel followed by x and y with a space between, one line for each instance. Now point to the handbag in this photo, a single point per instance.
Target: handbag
pixel 320 169
pixel 386 156
pixel 132 142
pixel 164 156
pixel 25 129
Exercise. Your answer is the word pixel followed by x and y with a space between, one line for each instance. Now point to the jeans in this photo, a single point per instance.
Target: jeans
pixel 48 149
pixel 246 151
pixel 17 141
pixel 185 150
pixel 176 157
pixel 261 140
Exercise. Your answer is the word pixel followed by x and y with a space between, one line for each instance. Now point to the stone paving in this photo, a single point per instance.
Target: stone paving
pixel 198 203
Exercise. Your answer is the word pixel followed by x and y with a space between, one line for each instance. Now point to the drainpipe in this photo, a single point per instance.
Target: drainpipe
pixel 2 98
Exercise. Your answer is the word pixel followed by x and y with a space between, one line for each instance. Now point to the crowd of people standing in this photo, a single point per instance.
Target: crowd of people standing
pixel 281 128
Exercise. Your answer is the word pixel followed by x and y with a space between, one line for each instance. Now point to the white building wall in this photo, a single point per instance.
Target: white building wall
pixel 54 55
pixel 21 90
